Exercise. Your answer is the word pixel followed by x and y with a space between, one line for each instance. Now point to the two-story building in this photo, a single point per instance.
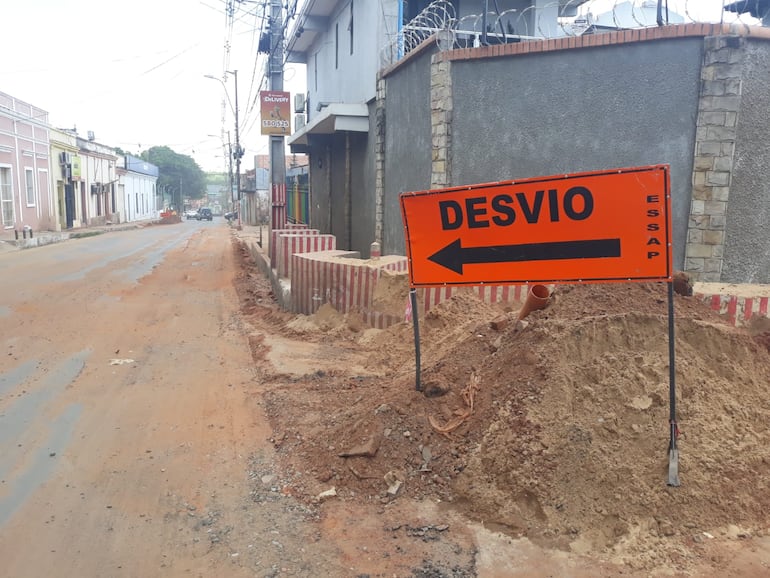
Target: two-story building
pixel 25 187
pixel 439 107
pixel 345 44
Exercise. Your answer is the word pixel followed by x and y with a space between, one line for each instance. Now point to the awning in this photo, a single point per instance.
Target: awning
pixel 333 118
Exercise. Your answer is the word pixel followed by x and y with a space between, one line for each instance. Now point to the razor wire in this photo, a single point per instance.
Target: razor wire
pixel 562 18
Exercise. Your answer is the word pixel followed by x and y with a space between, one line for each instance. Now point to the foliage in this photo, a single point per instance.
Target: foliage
pixel 217 179
pixel 179 175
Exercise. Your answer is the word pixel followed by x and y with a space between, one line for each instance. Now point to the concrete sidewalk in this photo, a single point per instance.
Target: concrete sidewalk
pixel 9 242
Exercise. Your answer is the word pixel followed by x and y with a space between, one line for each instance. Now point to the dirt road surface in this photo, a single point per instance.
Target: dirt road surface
pixel 146 382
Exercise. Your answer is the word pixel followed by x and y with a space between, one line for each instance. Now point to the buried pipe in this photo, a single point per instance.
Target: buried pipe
pixel 538 297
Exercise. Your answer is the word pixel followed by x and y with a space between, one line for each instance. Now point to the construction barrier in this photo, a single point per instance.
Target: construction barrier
pixel 273 246
pixel 289 244
pixel 344 281
pixel 739 310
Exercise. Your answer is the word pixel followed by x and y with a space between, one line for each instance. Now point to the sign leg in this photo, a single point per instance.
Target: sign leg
pixel 415 320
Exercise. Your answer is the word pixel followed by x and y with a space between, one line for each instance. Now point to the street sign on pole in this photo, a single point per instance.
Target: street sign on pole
pixel 593 227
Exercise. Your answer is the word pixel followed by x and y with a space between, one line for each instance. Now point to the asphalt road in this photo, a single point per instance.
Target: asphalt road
pixel 126 427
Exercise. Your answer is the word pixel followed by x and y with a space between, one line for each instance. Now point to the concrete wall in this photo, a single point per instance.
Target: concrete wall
pixel 353 225
pixel 319 189
pixel 362 181
pixel 567 111
pixel 747 238
pixel 336 168
pixel 407 143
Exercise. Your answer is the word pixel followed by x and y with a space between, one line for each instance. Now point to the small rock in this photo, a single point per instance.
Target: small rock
pixel 367 449
pixel 500 322
pixel 326 494
pixel 407 434
pixel 268 479
pixel 394 480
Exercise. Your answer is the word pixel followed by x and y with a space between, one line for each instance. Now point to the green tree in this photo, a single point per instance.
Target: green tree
pixel 217 179
pixel 179 178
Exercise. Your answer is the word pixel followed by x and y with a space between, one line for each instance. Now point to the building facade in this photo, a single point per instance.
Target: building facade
pixel 26 200
pixel 693 96
pixel 137 186
pixel 64 180
pixel 345 44
pixel 98 181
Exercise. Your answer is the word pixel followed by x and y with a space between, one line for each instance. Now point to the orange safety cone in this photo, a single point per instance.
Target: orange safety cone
pixel 537 298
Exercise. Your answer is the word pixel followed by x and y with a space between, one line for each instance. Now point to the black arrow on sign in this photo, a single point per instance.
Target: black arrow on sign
pixel 454 256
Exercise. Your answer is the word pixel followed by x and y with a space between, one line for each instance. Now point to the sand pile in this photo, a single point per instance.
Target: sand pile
pixel 568 435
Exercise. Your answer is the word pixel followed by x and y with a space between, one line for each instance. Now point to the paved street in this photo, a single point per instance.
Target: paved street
pixel 124 424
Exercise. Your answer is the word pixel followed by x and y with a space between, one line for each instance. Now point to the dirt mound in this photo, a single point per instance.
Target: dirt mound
pixel 575 449
pixel 557 431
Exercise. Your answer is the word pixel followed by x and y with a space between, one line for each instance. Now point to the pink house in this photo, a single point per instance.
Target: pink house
pixel 25 190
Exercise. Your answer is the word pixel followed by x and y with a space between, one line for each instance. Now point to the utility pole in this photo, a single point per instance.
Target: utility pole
pixel 230 170
pixel 238 151
pixel 277 146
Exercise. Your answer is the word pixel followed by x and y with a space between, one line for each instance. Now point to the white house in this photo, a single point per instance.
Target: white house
pixel 137 180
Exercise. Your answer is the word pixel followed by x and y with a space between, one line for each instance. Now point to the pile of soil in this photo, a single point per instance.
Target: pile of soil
pixel 558 430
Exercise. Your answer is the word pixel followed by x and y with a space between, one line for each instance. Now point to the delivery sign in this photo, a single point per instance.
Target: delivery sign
pixel 275 112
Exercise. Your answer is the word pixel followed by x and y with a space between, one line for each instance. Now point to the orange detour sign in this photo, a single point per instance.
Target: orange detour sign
pixel 608 226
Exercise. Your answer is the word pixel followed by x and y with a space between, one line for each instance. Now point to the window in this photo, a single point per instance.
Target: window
pixel 315 72
pixel 6 197
pixel 350 26
pixel 30 178
pixel 337 45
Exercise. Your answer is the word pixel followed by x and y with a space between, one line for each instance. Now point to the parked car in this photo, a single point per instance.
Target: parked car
pixel 204 214
pixel 191 214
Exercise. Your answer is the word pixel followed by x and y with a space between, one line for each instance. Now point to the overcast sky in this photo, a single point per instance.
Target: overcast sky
pixel 133 72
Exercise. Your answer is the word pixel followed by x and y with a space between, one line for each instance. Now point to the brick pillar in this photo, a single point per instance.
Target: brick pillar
pixel 379 160
pixel 718 107
pixel 441 122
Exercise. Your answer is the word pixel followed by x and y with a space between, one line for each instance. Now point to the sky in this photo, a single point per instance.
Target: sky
pixel 134 72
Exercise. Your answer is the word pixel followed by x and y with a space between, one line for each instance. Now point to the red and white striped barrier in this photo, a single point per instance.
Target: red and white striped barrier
pixel 273 247
pixel 298 242
pixel 738 309
pixel 347 284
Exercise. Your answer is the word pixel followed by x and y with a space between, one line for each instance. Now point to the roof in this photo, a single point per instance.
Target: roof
pixel 313 19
